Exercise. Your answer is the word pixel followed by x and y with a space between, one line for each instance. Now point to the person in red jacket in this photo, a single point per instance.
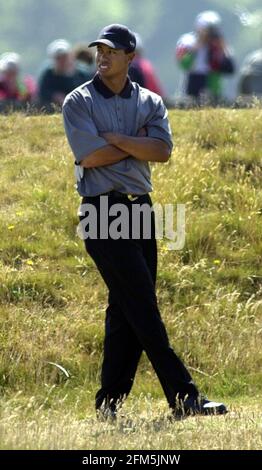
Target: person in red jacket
pixel 13 87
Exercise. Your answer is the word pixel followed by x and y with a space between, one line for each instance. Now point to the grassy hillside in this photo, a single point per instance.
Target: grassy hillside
pixel 52 300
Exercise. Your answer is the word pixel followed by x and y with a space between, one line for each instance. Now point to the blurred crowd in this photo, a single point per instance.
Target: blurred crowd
pixel 203 56
pixel 64 69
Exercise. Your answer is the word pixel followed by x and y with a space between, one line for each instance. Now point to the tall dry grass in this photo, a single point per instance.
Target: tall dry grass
pixel 52 300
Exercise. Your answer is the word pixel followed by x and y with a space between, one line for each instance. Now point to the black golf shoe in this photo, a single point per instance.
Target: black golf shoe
pixel 193 406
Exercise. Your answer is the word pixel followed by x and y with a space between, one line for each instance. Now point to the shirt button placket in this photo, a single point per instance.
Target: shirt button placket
pixel 119 117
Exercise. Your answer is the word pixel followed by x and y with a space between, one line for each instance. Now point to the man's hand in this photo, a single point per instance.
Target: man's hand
pixel 142 132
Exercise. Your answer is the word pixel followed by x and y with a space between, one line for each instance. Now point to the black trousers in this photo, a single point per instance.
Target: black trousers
pixel 196 84
pixel 133 322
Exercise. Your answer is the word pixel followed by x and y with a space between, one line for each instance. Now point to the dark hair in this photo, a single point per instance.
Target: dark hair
pixel 84 54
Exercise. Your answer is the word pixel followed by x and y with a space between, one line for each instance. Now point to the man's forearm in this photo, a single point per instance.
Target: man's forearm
pixel 103 157
pixel 142 148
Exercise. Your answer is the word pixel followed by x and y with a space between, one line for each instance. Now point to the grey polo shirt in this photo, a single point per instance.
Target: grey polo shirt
pixel 93 108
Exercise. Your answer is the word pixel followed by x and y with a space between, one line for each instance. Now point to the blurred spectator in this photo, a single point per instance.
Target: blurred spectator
pixel 15 89
pixel 85 57
pixel 251 75
pixel 205 57
pixel 142 72
pixel 60 76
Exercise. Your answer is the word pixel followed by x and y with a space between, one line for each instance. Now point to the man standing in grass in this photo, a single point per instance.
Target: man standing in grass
pixel 115 128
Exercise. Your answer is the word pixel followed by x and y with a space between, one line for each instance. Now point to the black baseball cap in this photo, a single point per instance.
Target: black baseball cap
pixel 116 36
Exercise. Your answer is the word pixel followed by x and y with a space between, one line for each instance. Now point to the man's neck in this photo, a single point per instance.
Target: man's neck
pixel 115 84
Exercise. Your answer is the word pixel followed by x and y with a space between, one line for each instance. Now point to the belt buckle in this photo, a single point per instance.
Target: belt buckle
pixel 132 198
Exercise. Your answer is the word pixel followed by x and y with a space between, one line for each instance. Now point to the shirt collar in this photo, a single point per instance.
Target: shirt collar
pixel 107 93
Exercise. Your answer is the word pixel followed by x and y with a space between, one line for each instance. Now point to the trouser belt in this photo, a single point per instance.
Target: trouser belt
pixel 119 195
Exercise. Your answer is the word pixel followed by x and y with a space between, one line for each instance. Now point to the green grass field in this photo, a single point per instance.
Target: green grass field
pixel 52 300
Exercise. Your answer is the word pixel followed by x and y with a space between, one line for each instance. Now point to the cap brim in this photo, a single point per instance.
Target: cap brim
pixel 108 43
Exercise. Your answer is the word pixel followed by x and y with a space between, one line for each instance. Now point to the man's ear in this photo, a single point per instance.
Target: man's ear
pixel 131 56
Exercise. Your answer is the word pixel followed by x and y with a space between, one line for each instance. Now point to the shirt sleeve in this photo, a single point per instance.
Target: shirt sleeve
pixel 158 126
pixel 80 129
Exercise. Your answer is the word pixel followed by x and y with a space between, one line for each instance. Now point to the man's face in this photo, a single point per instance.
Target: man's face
pixel 203 35
pixel 63 62
pixel 112 62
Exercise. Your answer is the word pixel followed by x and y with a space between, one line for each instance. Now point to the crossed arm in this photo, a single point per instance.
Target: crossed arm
pixel 122 146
